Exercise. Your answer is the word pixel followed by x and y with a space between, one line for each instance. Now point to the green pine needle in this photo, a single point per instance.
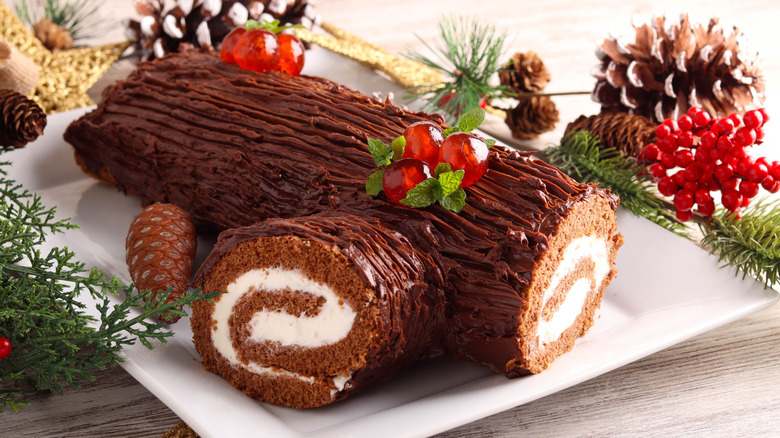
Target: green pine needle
pixel 750 243
pixel 582 157
pixel 55 342
pixel 468 56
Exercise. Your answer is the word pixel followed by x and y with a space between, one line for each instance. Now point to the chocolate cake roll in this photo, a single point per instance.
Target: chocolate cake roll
pixel 523 266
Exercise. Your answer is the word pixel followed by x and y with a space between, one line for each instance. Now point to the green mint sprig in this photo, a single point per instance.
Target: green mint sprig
pixel 271 26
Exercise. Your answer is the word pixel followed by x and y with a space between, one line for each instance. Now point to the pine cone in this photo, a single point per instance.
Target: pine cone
pixel 161 244
pixel 532 116
pixel 207 22
pixel 670 68
pixel 524 73
pixel 52 36
pixel 625 132
pixel 21 120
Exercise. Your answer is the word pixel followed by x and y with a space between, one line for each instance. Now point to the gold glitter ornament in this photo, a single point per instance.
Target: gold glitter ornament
pixel 65 76
pixel 405 72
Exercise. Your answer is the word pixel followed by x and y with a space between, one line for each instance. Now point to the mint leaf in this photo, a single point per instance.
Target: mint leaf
pixel 421 195
pixel 272 26
pixel 454 202
pixel 374 182
pixel 450 130
pixel 441 168
pixel 450 182
pixel 398 145
pixel 490 142
pixel 380 152
pixel 471 120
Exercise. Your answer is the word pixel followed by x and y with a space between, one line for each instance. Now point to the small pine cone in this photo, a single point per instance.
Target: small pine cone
pixel 161 244
pixel 525 73
pixel 21 120
pixel 52 36
pixel 625 132
pixel 532 116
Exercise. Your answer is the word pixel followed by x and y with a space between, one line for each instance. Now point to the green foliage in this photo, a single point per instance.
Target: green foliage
pixel 468 55
pixel 751 243
pixel 55 341
pixel 582 157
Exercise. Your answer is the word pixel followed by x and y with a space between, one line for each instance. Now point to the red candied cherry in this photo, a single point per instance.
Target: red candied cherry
pixel 753 119
pixel 683 200
pixel 744 137
pixel 725 126
pixel 465 152
pixel 402 176
pixel 5 348
pixel 229 44
pixel 667 186
pixel 701 119
pixel 685 123
pixel 423 140
pixel 291 54
pixel 731 199
pixel 658 171
pixel 258 50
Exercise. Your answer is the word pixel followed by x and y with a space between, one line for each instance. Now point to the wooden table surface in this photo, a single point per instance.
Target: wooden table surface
pixel 722 383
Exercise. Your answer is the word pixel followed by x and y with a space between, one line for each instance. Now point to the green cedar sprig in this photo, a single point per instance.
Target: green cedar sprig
pixel 55 341
pixel 468 55
pixel 444 187
pixel 582 157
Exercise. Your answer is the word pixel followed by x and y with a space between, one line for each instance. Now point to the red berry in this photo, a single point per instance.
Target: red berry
pixel 672 124
pixel 744 165
pixel 667 186
pixel 5 348
pixel 258 50
pixel 736 119
pixel 668 160
pixel 764 115
pixel 291 54
pixel 693 172
pixel 764 161
pixel 702 196
pixel 706 209
pixel 658 171
pixel 683 157
pixel 725 126
pixel 662 131
pixel 423 140
pixel 702 155
pixel 748 189
pixel 708 167
pixel 723 172
pixel 753 119
pixel 683 200
pixel 692 111
pixel 770 184
pixel 728 159
pixel 724 143
pixel 651 153
pixel 402 176
pixel 685 139
pixel 684 215
pixel 757 172
pixel 679 178
pixel 691 186
pixel 715 154
pixel 745 137
pixel 731 199
pixel 730 184
pixel 229 44
pixel 668 143
pixel 759 134
pixel 707 182
pixel 467 152
pixel 774 170
pixel 701 118
pixel 685 123
pixel 738 152
pixel 708 140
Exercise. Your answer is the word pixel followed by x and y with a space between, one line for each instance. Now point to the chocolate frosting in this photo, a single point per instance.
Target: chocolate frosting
pixel 234 147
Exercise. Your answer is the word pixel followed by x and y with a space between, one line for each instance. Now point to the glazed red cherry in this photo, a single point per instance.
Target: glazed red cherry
pixel 291 54
pixel 465 152
pixel 258 50
pixel 229 44
pixel 402 176
pixel 423 140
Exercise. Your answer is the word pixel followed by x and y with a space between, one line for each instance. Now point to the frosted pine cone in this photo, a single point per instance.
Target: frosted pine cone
pixel 205 23
pixel 673 66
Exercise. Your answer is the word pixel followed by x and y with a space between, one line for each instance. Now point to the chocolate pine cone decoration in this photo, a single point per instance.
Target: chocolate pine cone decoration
pixel 625 132
pixel 524 73
pixel 205 23
pixel 532 116
pixel 671 67
pixel 21 120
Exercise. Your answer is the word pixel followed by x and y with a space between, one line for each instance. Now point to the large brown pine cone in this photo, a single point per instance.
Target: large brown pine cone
pixel 205 23
pixel 532 116
pixel 673 66
pixel 21 120
pixel 524 73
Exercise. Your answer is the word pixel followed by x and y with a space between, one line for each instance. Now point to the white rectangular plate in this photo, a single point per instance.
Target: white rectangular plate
pixel 667 290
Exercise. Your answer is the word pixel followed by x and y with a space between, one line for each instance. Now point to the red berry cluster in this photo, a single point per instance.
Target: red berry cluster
pixel 696 155
pixel 426 147
pixel 262 50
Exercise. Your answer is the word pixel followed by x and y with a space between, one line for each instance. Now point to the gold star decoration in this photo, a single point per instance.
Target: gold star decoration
pixel 65 76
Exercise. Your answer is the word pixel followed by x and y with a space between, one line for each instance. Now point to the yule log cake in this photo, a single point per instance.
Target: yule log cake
pixel 327 288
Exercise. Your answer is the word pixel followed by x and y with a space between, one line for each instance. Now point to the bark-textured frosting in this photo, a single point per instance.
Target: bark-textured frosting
pixel 235 147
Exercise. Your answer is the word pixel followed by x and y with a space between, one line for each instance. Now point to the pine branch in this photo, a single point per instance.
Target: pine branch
pixel 468 56
pixel 582 157
pixel 750 243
